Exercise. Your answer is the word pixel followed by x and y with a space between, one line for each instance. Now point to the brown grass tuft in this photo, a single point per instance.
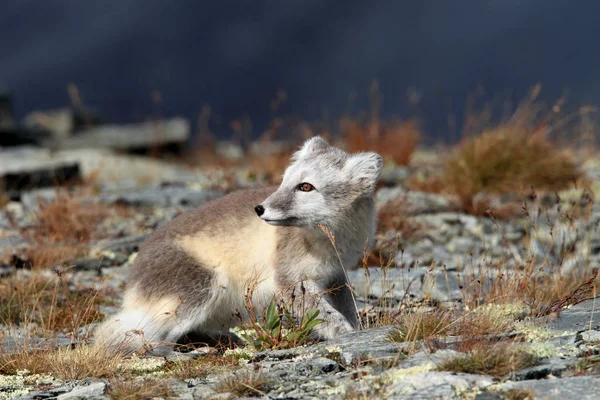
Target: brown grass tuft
pixel 140 389
pixel 48 302
pixel 423 325
pixel 509 158
pixel 543 289
pixel 65 363
pixel 519 394
pixel 396 140
pixel 497 360
pixel 62 229
pixel 251 384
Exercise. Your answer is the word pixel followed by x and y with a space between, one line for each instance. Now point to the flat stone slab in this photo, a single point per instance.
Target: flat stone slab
pixel 162 197
pixel 578 318
pixel 573 388
pixel 130 136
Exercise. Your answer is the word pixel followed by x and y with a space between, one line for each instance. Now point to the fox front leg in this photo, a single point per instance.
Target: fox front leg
pixel 337 321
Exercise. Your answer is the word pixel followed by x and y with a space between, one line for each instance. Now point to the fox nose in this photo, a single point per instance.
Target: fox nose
pixel 260 210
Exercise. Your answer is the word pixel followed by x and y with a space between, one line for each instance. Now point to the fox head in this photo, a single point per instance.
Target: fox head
pixel 321 185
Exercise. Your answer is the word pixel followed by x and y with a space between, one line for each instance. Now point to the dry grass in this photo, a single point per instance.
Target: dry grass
pixel 519 394
pixel 522 152
pixel 66 219
pixel 433 327
pixel 497 360
pixel 423 325
pixel 250 384
pixel 63 227
pixel 544 289
pixel 190 369
pixel 140 389
pixel 395 141
pixel 65 363
pixel 48 302
pixel 509 158
pixel 396 215
pixel 271 166
pixel 4 199
pixel 201 367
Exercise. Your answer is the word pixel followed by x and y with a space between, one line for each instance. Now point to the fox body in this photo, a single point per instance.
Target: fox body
pixel 192 274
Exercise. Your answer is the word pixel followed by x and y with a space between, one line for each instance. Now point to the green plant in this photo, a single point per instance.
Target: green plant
pixel 280 329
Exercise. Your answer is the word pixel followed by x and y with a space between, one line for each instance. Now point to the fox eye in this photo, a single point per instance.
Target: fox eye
pixel 305 187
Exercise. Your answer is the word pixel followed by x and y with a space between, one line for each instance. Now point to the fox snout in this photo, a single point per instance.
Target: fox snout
pixel 259 209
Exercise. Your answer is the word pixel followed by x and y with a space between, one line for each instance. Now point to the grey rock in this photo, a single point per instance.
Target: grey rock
pixel 577 318
pixel 6 270
pixel 425 357
pixel 571 388
pixel 31 199
pixel 589 336
pixel 162 197
pixel 324 365
pixel 462 245
pixel 442 285
pixel 92 264
pixel 370 344
pixel 565 340
pixel 351 348
pixel 125 245
pixel 21 169
pixel 393 176
pixel 595 246
pixel 437 385
pixel 94 389
pixel 12 344
pixel 554 366
pixel 415 202
pixel 125 137
pixel 48 394
pixel 392 282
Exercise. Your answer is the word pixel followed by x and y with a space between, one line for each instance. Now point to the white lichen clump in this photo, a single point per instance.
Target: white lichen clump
pixel 20 384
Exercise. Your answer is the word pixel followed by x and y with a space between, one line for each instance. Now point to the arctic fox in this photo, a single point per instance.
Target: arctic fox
pixel 191 275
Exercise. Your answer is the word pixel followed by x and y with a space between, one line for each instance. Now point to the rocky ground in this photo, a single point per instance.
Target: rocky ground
pixel 430 260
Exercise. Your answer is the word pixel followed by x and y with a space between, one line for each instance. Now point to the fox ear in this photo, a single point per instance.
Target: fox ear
pixel 312 145
pixel 364 170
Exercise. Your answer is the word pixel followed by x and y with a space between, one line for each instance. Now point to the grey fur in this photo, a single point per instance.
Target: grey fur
pixel 161 268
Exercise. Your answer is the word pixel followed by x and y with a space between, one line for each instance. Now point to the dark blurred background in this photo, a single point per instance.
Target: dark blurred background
pixel 428 56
